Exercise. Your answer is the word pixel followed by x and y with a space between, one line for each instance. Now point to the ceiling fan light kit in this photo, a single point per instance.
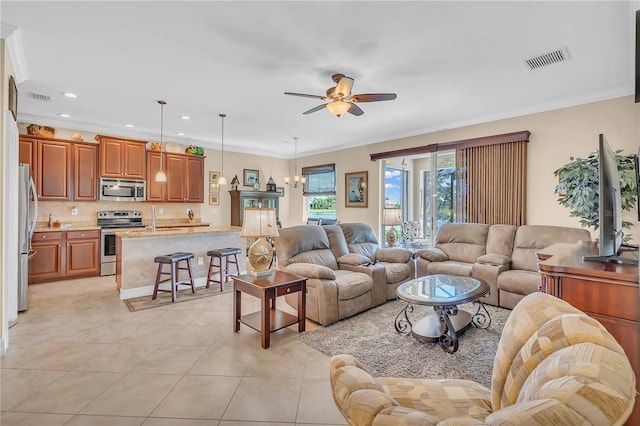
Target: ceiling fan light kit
pixel 340 100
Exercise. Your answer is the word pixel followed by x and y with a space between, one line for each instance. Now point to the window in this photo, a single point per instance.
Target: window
pixel 395 193
pixel 320 189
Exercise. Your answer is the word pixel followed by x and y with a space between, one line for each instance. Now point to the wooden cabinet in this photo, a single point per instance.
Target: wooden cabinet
pixel 242 199
pixel 85 172
pixel 82 253
pixel 61 255
pixel 608 292
pixel 122 158
pixel 54 170
pixel 46 264
pixel 61 169
pixel 185 178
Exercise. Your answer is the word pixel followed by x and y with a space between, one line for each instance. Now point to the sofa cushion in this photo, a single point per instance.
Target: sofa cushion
pixel 530 239
pixel 361 238
pixel 337 242
pixel 317 257
pixel 519 281
pixel 396 272
pixel 305 244
pixel 450 268
pixel 433 255
pixel 393 255
pixel 352 284
pixel 354 259
pixel 463 242
pixel 500 239
pixel 310 270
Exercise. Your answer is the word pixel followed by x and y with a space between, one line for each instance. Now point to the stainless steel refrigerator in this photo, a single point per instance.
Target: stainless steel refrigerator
pixel 27 214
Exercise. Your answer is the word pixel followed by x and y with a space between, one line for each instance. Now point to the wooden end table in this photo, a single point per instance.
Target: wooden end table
pixel 267 288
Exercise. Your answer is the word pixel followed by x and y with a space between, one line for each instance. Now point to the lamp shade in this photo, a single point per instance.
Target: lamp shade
pixel 391 216
pixel 338 108
pixel 259 223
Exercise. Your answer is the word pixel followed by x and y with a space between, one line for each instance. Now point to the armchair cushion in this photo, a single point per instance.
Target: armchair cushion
pixel 353 259
pixel 310 270
pixel 433 255
pixel 494 259
pixel 393 255
pixel 396 272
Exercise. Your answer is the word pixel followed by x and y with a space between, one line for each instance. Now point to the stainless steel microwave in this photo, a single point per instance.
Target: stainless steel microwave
pixel 122 190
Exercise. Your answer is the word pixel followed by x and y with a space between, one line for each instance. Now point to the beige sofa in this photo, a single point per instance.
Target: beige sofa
pixel 502 255
pixel 554 366
pixel 340 283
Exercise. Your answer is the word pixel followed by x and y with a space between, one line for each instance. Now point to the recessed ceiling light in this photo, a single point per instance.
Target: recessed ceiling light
pixel 64 115
pixel 180 134
pixel 128 125
pixel 70 95
pixel 185 117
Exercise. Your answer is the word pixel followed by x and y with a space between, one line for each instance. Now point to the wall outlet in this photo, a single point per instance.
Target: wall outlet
pixel 200 260
pixel 74 211
pixel 161 211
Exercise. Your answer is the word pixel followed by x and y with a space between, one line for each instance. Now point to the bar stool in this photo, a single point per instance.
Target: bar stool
pixel 224 259
pixel 173 260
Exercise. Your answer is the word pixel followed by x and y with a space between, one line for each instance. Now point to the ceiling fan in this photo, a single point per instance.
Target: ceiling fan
pixel 340 100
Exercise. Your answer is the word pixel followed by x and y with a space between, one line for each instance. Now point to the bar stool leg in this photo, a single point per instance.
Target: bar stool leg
pixel 174 280
pixel 155 287
pixel 193 286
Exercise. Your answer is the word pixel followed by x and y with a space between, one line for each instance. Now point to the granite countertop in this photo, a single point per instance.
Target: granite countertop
pixel 89 226
pixel 44 227
pixel 176 231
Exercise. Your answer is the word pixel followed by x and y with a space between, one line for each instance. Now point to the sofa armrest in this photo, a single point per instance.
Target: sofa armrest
pixel 353 259
pixel 393 255
pixel 433 255
pixel 310 270
pixel 378 274
pixel 494 259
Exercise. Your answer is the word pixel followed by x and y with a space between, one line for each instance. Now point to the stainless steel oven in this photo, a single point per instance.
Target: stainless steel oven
pixel 111 221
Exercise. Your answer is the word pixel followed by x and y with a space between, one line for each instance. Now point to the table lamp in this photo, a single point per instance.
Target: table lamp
pixel 259 223
pixel 391 217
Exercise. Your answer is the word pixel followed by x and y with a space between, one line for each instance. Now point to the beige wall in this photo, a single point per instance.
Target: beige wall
pixel 555 136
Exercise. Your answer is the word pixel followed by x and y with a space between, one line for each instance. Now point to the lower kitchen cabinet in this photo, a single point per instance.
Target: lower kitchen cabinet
pixel 61 255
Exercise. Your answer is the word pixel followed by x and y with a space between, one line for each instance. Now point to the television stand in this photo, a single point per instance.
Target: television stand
pixel 611 259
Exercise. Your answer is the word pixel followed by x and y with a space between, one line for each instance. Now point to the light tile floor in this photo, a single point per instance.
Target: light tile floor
pixel 79 357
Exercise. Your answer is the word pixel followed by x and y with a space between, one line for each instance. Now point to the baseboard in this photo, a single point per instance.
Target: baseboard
pixel 131 293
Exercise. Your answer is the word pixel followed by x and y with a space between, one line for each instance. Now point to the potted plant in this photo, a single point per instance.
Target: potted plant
pixel 578 187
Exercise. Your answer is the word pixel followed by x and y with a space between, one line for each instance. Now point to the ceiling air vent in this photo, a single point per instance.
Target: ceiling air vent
pixel 39 97
pixel 549 58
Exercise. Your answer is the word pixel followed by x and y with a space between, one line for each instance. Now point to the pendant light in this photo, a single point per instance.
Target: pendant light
pixel 222 180
pixel 296 179
pixel 161 176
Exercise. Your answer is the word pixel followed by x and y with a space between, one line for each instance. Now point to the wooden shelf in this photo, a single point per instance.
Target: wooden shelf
pixel 279 319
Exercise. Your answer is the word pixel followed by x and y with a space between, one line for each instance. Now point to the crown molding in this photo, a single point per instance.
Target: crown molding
pixel 13 37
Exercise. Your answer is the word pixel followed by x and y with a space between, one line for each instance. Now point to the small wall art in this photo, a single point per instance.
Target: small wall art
pixel 214 199
pixel 355 188
pixel 213 177
pixel 250 177
pixel 214 188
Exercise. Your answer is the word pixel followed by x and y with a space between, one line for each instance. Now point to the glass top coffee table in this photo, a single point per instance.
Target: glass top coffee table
pixel 446 322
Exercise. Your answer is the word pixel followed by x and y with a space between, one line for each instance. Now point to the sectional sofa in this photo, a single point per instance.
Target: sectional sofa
pixel 502 255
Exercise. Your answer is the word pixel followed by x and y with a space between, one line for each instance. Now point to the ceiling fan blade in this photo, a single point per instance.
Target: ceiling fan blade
pixel 304 95
pixel 373 97
pixel 355 110
pixel 344 86
pixel 318 108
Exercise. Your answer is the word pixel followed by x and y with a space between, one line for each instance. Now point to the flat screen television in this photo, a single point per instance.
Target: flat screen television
pixel 610 208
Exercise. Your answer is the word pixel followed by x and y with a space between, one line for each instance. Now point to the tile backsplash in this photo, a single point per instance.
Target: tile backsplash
pixel 87 211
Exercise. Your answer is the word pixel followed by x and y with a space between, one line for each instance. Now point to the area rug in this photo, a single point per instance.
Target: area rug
pixel 371 337
pixel 183 295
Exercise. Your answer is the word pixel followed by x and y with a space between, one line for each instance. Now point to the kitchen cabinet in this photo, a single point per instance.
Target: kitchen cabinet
pixel 54 170
pixel 60 255
pixel 122 158
pixel 85 172
pixel 46 264
pixel 185 178
pixel 82 253
pixel 242 199
pixel 61 169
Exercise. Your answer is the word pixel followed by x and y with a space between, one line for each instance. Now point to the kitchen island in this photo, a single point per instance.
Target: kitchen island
pixel 135 250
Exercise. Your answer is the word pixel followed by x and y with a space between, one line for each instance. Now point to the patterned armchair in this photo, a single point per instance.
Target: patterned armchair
pixel 554 365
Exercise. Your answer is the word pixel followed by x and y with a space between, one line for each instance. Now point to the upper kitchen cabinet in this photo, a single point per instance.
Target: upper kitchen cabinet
pixel 53 177
pixel 61 169
pixel 185 178
pixel 85 171
pixel 122 158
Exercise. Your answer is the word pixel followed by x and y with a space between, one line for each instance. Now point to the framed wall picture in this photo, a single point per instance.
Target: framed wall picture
pixel 214 199
pixel 13 98
pixel 355 188
pixel 250 176
pixel 280 190
pixel 214 188
pixel 214 176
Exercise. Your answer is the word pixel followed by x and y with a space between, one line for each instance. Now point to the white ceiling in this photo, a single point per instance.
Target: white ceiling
pixel 450 63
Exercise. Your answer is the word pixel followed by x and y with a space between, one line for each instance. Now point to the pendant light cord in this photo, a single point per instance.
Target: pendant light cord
pixel 222 116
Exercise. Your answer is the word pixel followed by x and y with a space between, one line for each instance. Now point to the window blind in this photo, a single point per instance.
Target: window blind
pixel 321 180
